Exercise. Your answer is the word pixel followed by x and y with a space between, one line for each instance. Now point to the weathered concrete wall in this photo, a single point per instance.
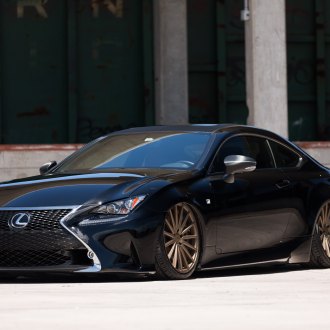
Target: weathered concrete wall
pixel 18 161
pixel 266 76
pixel 171 61
pixel 21 161
pixel 319 150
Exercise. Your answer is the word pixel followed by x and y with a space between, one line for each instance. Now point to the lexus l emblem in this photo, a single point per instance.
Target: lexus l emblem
pixel 19 220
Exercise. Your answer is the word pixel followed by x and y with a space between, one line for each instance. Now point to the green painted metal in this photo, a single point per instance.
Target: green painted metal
pixel 148 63
pixel 111 80
pixel 301 58
pixel 216 62
pixel 202 53
pixel 237 111
pixel 34 82
pixel 221 60
pixel 308 32
pixel 217 65
pixel 74 70
pixel 1 88
pixel 320 65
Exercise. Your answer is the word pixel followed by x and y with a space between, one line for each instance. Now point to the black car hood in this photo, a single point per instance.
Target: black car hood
pixel 79 188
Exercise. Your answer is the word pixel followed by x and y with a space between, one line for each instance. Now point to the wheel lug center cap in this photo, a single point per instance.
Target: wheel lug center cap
pixel 177 238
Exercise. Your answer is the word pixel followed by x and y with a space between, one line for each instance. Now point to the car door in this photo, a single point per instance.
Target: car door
pixel 253 211
pixel 291 164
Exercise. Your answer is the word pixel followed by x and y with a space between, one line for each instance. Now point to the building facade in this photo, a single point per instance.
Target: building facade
pixel 71 71
pixel 74 70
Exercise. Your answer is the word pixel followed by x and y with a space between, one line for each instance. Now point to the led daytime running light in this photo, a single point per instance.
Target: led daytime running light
pixel 121 207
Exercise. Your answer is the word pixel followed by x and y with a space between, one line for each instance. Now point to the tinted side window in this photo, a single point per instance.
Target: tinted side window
pixel 249 146
pixel 259 150
pixel 284 157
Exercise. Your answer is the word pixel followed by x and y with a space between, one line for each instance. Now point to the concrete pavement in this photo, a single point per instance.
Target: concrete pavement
pixel 256 298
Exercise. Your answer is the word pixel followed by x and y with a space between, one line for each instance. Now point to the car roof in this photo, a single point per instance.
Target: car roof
pixel 211 128
pixel 199 128
pixel 207 128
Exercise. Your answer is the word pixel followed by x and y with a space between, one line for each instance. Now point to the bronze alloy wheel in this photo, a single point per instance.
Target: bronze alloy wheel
pixel 323 227
pixel 181 238
pixel 320 248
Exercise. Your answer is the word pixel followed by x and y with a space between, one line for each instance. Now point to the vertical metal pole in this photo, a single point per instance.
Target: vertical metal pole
pixel 221 61
pixel 148 63
pixel 72 81
pixel 320 66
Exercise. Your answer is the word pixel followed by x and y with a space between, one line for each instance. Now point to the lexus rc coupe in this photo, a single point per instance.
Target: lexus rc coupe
pixel 169 200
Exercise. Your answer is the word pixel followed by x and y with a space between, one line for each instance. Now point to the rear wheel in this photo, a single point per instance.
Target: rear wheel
pixel 178 246
pixel 320 252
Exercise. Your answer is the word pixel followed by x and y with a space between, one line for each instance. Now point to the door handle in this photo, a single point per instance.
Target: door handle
pixel 282 184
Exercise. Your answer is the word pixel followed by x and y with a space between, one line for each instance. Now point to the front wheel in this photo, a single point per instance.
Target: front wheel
pixel 320 252
pixel 178 246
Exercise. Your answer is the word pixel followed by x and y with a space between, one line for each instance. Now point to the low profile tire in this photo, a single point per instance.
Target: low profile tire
pixel 178 245
pixel 320 251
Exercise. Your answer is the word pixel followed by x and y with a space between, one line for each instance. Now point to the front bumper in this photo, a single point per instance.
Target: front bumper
pixel 122 244
pixel 126 245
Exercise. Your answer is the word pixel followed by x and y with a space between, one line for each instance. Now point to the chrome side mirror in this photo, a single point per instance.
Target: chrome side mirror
pixel 46 167
pixel 238 164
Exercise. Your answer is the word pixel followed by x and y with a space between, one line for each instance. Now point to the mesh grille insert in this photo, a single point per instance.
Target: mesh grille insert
pixel 40 219
pixel 43 242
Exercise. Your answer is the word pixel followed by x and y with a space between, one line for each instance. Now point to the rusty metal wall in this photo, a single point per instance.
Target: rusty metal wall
pixel 308 36
pixel 216 62
pixel 72 70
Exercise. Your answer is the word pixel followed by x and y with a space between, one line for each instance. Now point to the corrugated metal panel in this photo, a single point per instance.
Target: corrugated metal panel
pixel 302 88
pixel 216 62
pixel 74 70
pixel 308 26
pixel 33 71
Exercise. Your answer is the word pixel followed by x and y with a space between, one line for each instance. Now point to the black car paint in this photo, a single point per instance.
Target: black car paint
pixel 252 220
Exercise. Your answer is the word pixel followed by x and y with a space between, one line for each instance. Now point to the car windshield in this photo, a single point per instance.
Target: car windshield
pixel 140 150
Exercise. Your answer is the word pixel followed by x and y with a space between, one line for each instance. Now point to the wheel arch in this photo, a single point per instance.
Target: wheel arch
pixel 318 197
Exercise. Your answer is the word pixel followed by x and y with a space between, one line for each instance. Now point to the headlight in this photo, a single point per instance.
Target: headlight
pixel 123 207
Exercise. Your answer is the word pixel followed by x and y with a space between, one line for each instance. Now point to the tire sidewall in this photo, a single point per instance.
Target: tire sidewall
pixel 318 255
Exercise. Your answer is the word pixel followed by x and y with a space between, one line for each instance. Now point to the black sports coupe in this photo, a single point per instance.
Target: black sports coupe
pixel 169 200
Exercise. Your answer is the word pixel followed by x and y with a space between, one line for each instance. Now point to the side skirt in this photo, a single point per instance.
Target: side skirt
pixel 269 262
